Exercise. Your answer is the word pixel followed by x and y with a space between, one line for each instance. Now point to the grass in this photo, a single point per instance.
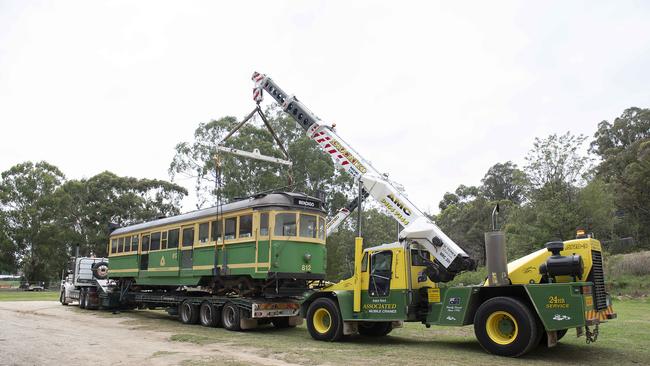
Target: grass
pixel 20 295
pixel 623 341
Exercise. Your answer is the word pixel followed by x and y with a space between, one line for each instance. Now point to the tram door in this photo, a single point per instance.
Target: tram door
pixel 185 249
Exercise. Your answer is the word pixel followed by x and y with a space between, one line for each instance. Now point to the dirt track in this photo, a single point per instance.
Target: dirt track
pixel 45 332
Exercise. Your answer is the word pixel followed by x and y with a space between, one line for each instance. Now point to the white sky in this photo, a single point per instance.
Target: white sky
pixel 432 92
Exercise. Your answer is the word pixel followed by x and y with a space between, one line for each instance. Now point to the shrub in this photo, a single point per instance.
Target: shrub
pixel 635 264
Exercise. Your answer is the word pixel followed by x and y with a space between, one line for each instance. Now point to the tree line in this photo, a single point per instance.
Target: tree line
pixel 601 183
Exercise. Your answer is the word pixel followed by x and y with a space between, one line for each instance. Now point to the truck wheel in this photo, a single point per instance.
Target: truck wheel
pixel 208 315
pixel 282 322
pixel 82 298
pixel 505 326
pixel 100 270
pixel 324 320
pixel 375 329
pixel 230 317
pixel 62 298
pixel 188 313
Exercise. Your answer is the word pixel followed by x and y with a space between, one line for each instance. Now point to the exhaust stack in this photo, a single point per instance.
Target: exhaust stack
pixel 496 260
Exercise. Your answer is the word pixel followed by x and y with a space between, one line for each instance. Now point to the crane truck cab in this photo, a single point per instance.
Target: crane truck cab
pixel 547 293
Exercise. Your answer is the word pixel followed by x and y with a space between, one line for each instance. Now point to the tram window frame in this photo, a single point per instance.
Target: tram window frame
pixel 204 232
pixel 127 244
pixel 280 225
pixel 145 243
pixel 154 243
pixel 186 242
pixel 305 229
pixel 173 238
pixel 226 231
pixel 135 242
pixel 244 219
pixel 321 228
pixel 264 224
pixel 219 231
pixel 120 245
pixel 113 246
pixel 163 240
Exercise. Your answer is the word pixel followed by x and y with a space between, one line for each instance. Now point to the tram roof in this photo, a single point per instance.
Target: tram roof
pixel 279 199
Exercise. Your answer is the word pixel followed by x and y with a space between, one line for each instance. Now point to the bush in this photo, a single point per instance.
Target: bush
pixel 470 278
pixel 633 264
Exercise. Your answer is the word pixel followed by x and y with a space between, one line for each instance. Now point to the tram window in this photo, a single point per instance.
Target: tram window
pixel 204 230
pixel 364 262
pixel 321 227
pixel 285 224
pixel 172 238
pixel 120 245
pixel 114 246
pixel 246 226
pixel 307 226
pixel 127 244
pixel 264 224
pixel 231 228
pixel 163 240
pixel 155 241
pixel 188 236
pixel 134 243
pixel 217 229
pixel 145 243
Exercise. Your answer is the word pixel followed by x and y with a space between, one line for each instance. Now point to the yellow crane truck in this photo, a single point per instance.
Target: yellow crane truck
pixel 531 301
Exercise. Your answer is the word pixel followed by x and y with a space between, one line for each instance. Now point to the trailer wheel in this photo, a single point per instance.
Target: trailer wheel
pixel 231 317
pixel 208 315
pixel 375 329
pixel 324 320
pixel 189 313
pixel 506 327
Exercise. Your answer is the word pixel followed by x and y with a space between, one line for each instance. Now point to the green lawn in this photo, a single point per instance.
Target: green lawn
pixel 20 295
pixel 622 341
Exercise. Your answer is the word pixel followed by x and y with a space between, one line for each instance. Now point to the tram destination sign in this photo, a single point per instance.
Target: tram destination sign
pixel 307 203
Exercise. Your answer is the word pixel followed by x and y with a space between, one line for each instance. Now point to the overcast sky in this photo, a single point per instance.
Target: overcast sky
pixel 433 93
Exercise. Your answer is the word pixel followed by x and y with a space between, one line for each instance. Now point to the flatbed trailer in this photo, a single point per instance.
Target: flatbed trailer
pixel 231 312
pixel 93 290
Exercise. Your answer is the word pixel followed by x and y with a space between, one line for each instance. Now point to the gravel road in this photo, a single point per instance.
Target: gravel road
pixel 46 333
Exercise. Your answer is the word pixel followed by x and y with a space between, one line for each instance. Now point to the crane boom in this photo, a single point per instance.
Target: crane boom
pixel 417 226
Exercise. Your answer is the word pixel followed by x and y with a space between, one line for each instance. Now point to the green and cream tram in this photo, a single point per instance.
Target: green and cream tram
pixel 269 244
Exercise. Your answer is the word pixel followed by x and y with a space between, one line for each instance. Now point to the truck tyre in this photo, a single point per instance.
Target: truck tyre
pixel 100 270
pixel 208 315
pixel 82 298
pixel 505 326
pixel 189 313
pixel 324 320
pixel 375 329
pixel 62 298
pixel 231 317
pixel 282 322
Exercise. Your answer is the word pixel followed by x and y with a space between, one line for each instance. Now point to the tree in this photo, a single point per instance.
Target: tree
pixel 88 206
pixel 29 217
pixel 312 171
pixel 504 181
pixel 624 147
pixel 556 161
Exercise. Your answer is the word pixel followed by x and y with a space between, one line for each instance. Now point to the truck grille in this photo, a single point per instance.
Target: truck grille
pixel 597 276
